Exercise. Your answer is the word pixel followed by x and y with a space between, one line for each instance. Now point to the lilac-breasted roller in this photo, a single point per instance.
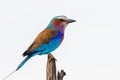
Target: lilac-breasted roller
pixel 48 40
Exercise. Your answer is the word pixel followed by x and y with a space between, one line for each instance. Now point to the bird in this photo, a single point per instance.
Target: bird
pixel 47 40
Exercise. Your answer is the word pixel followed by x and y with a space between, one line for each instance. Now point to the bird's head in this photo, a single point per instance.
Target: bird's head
pixel 60 22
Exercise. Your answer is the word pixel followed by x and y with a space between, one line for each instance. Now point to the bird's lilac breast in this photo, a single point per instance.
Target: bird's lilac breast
pixel 60 35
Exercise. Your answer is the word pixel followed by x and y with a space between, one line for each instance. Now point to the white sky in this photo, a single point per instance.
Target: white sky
pixel 90 50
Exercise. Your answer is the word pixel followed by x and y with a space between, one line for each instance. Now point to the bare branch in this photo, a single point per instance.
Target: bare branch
pixel 51 69
pixel 60 75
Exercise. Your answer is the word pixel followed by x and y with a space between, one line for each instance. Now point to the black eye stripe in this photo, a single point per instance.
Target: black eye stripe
pixel 62 20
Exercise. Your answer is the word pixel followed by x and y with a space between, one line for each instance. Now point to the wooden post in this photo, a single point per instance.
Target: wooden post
pixel 51 69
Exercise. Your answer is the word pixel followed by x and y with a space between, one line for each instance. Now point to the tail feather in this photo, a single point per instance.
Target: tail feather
pixel 23 62
pixel 19 66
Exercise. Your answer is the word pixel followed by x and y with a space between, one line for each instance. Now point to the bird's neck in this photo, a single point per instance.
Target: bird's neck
pixel 60 28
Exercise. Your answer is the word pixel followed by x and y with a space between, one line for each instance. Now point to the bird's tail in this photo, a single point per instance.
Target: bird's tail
pixel 23 62
pixel 19 66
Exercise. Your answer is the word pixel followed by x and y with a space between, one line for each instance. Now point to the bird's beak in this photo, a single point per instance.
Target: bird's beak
pixel 70 20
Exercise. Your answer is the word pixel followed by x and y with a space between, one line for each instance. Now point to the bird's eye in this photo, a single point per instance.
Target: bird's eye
pixel 62 20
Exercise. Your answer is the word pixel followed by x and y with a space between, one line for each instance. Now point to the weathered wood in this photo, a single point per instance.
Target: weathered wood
pixel 51 69
pixel 60 75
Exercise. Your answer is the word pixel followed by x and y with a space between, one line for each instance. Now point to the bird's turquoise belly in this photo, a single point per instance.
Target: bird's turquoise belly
pixel 51 46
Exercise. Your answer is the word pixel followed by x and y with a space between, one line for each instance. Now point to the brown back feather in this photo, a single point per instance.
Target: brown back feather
pixel 43 38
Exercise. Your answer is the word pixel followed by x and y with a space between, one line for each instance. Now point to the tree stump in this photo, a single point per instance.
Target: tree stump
pixel 51 69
